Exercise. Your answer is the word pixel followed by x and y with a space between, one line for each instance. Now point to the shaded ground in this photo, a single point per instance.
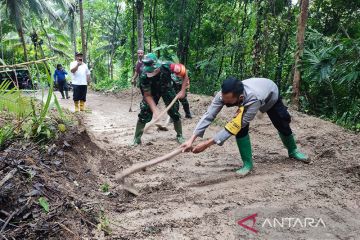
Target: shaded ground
pixel 198 196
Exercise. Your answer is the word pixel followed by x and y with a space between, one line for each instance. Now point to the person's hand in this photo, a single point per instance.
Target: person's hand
pixel 202 146
pixel 181 94
pixel 187 146
pixel 156 113
pixel 79 63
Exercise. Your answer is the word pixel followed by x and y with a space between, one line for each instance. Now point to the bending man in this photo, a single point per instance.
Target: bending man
pixel 248 96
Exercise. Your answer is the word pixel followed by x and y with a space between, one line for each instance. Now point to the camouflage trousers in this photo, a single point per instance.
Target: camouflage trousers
pixel 145 114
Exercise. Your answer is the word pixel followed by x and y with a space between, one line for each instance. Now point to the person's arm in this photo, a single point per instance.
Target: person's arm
pixel 146 87
pixel 213 110
pixel 185 83
pixel 211 113
pixel 133 80
pixel 150 100
pixel 241 120
pixel 74 67
pixel 246 117
pixel 88 79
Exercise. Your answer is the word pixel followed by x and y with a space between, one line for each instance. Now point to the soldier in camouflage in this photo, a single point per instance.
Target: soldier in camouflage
pixel 156 83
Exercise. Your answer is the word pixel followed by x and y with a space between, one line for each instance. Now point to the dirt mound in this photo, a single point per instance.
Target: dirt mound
pixel 47 192
pixel 197 196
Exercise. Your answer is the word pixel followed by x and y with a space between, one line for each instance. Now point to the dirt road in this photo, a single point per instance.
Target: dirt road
pixel 198 197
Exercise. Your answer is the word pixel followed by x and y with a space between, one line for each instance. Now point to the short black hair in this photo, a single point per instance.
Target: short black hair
pixel 233 85
pixel 58 66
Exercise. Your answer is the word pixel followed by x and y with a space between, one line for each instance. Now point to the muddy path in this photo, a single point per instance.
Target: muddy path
pixel 199 197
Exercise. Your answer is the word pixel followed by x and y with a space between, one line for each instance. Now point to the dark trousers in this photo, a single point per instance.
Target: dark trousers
pixel 62 84
pixel 79 92
pixel 279 117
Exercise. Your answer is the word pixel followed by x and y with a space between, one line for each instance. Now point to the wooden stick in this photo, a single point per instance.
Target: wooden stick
pixel 27 63
pixel 65 228
pixel 132 96
pixel 162 113
pixel 137 167
pixel 8 177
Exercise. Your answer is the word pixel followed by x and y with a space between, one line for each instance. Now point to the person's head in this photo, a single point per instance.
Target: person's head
pixel 79 57
pixel 140 54
pixel 59 67
pixel 232 90
pixel 151 62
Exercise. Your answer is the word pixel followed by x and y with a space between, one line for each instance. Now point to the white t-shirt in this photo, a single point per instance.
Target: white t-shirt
pixel 79 77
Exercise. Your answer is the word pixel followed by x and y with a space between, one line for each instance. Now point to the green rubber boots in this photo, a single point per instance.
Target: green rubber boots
pixel 290 144
pixel 244 146
pixel 139 130
pixel 178 128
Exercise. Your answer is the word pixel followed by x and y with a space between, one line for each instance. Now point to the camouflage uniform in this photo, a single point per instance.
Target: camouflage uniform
pixel 159 86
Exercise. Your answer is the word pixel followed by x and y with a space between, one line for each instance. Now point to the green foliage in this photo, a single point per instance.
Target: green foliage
pixel 331 79
pixel 44 204
pixel 104 223
pixel 6 134
pixel 12 101
pixel 105 187
pixel 214 39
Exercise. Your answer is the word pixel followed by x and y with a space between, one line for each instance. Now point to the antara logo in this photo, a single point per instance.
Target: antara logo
pixel 251 217
pixel 287 222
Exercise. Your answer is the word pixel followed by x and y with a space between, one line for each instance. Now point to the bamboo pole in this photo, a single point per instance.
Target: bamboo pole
pixel 27 63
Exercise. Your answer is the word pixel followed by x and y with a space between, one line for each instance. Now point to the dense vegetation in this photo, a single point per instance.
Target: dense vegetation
pixel 214 39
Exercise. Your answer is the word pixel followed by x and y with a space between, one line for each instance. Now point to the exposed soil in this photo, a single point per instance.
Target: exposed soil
pixel 197 196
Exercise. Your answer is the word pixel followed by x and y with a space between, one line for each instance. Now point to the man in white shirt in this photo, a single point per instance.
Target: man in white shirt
pixel 80 75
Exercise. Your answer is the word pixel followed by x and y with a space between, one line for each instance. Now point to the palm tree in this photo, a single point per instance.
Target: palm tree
pixel 17 10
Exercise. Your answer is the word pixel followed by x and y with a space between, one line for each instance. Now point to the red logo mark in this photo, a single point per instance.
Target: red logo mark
pixel 251 217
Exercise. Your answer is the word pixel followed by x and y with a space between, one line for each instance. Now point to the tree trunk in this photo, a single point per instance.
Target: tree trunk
pixel 140 23
pixel 133 36
pixel 73 28
pixel 257 44
pixel 181 19
pixel 150 30
pixel 1 36
pixel 300 37
pixel 283 45
pixel 22 38
pixel 198 39
pixel 113 42
pixel 83 38
pixel 154 20
pixel 242 44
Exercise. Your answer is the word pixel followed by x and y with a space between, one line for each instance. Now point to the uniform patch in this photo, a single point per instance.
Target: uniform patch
pixel 235 125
